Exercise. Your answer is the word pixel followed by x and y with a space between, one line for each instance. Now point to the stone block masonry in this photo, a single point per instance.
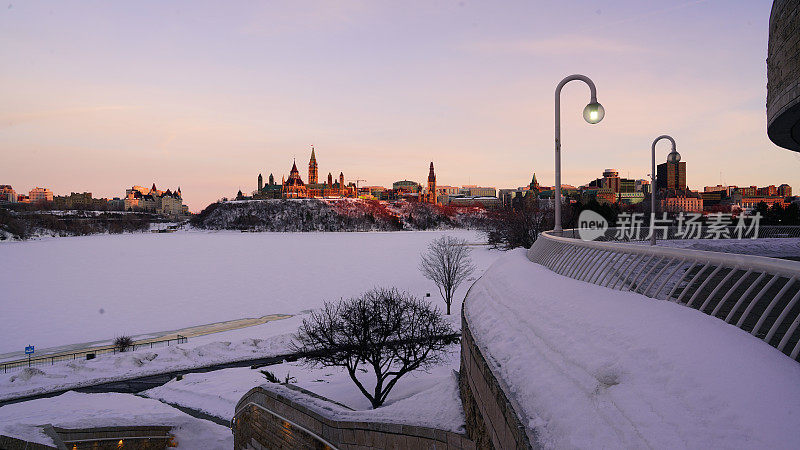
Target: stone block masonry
pixel 276 416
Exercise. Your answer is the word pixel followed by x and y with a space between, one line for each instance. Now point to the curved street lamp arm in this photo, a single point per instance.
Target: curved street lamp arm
pixel 593 92
pixel 653 185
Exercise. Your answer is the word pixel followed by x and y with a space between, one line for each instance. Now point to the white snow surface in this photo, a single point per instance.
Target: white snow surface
pixel 773 247
pixel 202 351
pixel 76 410
pixel 425 398
pixel 59 291
pixel 593 367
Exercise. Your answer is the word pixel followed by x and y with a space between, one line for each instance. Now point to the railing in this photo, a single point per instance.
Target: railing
pixel 757 294
pixel 673 232
pixel 46 360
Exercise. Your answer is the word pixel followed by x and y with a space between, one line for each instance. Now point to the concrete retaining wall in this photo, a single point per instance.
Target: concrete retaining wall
pixel 493 420
pixel 267 419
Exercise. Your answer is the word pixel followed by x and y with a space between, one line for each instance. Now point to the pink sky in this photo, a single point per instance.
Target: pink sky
pixel 101 96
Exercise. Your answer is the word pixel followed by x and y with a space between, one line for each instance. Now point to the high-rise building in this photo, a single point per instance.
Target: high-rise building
pixel 7 194
pixel 671 176
pixel 768 191
pixel 785 190
pixel 38 195
pixel 312 168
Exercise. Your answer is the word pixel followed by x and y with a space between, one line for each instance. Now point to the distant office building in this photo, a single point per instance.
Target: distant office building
pixel 726 190
pixel 671 176
pixel 116 204
pixel 39 195
pixel 74 201
pixel 751 191
pixel 785 190
pixel 630 198
pixel 406 186
pixel 485 202
pixel 642 186
pixel 768 191
pixel 752 202
pixel 7 194
pixel 675 201
pixel 447 190
pixel 478 191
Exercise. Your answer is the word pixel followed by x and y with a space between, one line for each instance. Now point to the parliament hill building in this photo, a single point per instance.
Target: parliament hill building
pixel 295 187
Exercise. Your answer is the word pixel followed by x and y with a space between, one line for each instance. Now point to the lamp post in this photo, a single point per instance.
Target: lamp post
pixel 592 113
pixel 673 157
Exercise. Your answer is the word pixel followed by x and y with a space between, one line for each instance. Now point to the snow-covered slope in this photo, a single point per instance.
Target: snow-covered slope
pixel 597 368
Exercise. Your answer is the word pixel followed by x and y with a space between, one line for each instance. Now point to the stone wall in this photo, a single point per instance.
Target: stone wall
pixel 783 74
pixel 492 418
pixel 267 418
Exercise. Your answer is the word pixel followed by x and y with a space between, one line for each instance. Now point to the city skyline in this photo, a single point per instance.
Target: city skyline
pixel 207 97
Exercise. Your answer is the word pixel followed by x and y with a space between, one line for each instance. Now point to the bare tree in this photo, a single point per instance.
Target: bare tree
pixel 447 263
pixel 387 331
pixel 519 224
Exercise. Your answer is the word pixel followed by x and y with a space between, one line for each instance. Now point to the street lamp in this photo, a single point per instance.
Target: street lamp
pixel 592 113
pixel 673 157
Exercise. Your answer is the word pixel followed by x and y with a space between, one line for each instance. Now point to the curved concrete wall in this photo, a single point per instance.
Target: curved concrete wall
pixel 266 417
pixel 493 420
pixel 783 75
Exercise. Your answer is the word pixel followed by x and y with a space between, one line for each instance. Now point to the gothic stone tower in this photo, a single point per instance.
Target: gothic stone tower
pixel 312 168
pixel 260 183
pixel 431 195
pixel 341 183
pixel 330 179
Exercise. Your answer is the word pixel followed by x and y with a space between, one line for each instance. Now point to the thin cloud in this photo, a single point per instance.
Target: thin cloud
pixel 645 15
pixel 558 46
pixel 9 120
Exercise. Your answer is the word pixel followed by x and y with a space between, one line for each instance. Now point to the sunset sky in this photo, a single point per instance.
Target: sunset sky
pixel 99 96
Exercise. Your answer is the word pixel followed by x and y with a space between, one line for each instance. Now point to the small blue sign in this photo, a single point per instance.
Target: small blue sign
pixel 29 350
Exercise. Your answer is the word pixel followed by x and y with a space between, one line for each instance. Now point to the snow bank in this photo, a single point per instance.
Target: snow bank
pixel 597 368
pixel 76 410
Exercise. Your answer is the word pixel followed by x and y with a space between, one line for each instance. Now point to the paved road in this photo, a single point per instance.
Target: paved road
pixel 194 331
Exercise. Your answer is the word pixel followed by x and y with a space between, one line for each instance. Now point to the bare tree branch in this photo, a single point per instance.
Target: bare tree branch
pixel 389 331
pixel 448 264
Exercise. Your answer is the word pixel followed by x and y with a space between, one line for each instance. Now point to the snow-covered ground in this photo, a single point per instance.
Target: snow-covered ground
pixel 773 247
pixel 426 398
pixel 76 410
pixel 193 278
pixel 274 338
pixel 59 291
pixel 596 368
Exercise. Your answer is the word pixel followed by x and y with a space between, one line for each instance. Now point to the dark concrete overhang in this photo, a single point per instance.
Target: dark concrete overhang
pixel 783 75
